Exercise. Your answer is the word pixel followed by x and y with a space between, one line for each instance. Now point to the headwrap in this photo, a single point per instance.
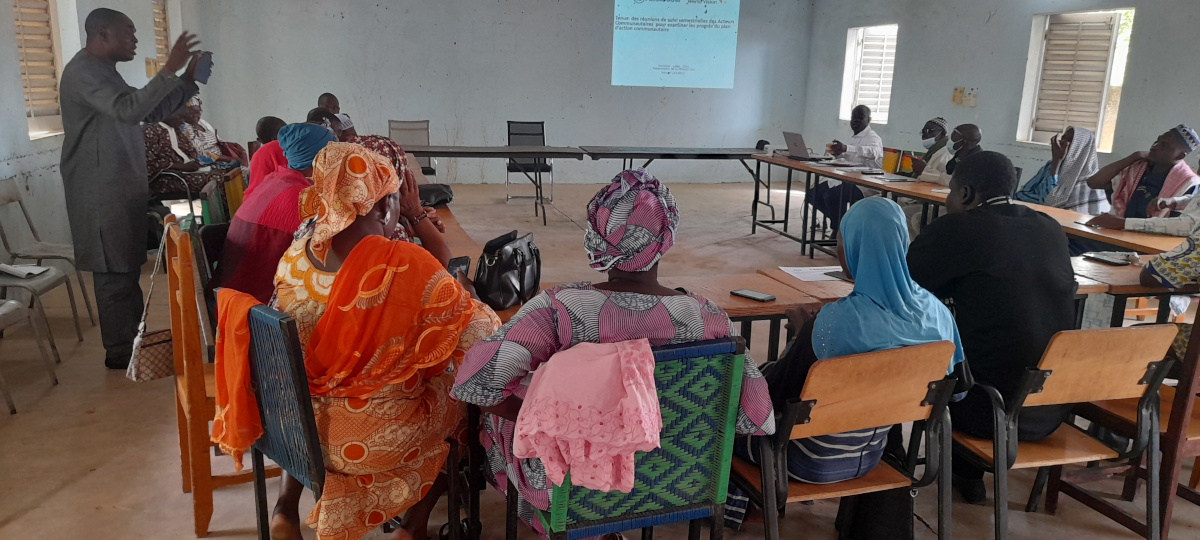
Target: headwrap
pixel 347 182
pixel 941 122
pixel 345 121
pixel 1188 135
pixel 301 143
pixel 887 307
pixel 631 223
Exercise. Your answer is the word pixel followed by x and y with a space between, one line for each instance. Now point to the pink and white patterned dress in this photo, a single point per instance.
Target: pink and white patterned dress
pixel 502 365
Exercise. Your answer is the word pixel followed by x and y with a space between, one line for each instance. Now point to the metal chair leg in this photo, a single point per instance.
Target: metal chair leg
pixel 1000 476
pixel 770 506
pixel 260 495
pixel 1153 466
pixel 12 408
pixel 647 533
pixel 74 311
pixel 37 336
pixel 694 529
pixel 46 325
pixel 86 302
pixel 510 514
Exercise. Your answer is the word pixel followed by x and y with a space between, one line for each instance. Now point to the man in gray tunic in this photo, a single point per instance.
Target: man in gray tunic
pixel 104 166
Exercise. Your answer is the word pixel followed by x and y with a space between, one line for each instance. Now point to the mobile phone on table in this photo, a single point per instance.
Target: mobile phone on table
pixel 1106 259
pixel 204 67
pixel 459 263
pixel 753 295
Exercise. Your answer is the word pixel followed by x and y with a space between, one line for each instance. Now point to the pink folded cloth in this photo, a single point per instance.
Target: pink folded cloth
pixel 588 409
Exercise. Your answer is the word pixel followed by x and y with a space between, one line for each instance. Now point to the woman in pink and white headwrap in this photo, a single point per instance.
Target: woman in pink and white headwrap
pixel 631 223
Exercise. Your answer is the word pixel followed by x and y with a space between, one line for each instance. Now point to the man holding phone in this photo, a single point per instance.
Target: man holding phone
pixel 103 165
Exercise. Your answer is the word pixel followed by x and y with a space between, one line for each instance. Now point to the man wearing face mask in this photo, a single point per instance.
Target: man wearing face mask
pixel 961 144
pixel 935 137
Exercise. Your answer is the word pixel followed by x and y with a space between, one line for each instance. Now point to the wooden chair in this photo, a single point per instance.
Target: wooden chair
pixel 195 384
pixel 1079 366
pixel 852 393
pixel 1181 440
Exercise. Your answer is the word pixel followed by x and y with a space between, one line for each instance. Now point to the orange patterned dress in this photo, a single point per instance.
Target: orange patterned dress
pixel 384 450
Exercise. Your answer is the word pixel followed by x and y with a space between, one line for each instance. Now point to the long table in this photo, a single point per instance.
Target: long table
pixel 627 154
pixel 1124 282
pixel 931 195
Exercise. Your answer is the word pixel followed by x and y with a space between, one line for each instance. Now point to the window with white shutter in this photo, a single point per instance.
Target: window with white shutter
pixel 870 63
pixel 1080 71
pixel 162 43
pixel 39 60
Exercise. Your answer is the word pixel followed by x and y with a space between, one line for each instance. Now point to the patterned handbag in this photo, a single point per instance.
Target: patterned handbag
pixel 153 355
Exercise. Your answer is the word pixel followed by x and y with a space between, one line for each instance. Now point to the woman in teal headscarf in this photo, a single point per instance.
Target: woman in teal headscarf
pixel 887 310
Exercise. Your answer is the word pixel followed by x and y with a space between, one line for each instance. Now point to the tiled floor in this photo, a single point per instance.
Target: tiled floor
pixel 97 456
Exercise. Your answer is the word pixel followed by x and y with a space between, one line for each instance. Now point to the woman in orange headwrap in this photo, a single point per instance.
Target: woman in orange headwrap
pixel 383 326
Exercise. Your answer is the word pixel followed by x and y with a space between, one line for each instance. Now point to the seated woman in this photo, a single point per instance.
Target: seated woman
pixel 167 150
pixel 631 224
pixel 383 326
pixel 385 146
pixel 886 310
pixel 213 151
pixel 1062 182
pixel 269 156
pixel 263 227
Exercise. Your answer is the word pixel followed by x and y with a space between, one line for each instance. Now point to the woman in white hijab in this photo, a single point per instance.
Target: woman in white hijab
pixel 1062 181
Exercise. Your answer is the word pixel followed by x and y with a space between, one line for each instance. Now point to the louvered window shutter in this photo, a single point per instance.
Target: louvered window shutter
pixel 35 44
pixel 1076 61
pixel 876 64
pixel 162 39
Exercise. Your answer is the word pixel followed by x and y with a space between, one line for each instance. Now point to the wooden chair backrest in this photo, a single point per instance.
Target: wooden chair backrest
pixel 872 389
pixel 1100 364
pixel 185 321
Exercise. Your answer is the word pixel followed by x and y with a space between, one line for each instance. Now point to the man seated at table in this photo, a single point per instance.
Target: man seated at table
pixel 1175 269
pixel 1143 178
pixel 269 157
pixel 964 143
pixel 1005 271
pixel 935 137
pixel 864 149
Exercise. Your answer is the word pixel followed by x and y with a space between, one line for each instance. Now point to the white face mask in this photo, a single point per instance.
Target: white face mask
pixel 928 143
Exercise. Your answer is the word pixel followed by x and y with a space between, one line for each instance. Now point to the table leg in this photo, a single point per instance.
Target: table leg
pixel 805 233
pixel 646 164
pixel 787 202
pixel 1118 312
pixel 747 329
pixel 924 214
pixel 1164 310
pixel 757 186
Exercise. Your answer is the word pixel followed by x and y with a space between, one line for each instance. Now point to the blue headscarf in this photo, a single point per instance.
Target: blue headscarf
pixel 302 142
pixel 887 308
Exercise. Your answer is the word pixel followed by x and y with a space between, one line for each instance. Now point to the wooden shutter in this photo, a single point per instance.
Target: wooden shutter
pixel 1076 60
pixel 35 45
pixel 876 64
pixel 162 38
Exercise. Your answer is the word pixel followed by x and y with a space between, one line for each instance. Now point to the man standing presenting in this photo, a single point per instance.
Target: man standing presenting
pixel 104 166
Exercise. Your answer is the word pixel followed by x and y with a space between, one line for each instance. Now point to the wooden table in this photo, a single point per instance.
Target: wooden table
pixel 1124 282
pixel 928 194
pixel 744 310
pixel 627 154
pixel 824 291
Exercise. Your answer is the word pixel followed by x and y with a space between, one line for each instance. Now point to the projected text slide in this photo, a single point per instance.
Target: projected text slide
pixel 679 43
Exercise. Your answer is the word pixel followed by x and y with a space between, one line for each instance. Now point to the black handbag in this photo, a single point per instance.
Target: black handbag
pixel 435 194
pixel 509 272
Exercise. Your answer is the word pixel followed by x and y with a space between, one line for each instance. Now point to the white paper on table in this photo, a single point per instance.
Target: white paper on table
pixel 811 273
pixel 22 270
pixel 940 190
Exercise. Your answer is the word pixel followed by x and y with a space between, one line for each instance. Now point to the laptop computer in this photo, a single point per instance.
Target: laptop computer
pixel 797 150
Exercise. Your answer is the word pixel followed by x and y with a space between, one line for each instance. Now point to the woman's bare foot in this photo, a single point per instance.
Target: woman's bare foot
pixel 284 526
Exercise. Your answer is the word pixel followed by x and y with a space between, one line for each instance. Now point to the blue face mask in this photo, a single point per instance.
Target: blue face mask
pixel 928 143
pixel 950 144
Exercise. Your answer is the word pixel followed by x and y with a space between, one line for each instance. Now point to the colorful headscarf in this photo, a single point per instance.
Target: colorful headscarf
pixel 347 182
pixel 1188 135
pixel 301 143
pixel 631 223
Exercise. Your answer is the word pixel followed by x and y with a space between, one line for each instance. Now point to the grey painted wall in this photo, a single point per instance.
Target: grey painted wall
pixel 469 66
pixel 983 44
